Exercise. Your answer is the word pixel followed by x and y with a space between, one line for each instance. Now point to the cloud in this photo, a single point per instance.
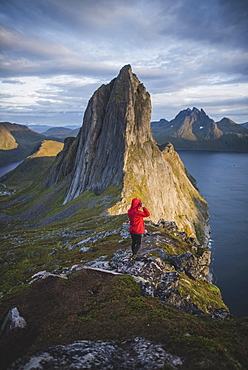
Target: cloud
pixel 61 51
pixel 12 81
pixel 216 22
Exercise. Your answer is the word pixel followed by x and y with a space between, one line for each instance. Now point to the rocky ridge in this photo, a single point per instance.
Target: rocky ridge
pixel 193 129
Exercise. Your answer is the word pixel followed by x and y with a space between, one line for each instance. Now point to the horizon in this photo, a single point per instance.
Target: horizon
pixel 56 54
pixel 80 124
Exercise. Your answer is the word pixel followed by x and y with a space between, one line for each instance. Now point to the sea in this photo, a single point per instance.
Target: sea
pixel 222 179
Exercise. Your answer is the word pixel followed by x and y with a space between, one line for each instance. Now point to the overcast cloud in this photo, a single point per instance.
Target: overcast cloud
pixel 56 53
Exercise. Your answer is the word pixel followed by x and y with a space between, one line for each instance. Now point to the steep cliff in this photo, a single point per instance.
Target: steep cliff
pixel 115 146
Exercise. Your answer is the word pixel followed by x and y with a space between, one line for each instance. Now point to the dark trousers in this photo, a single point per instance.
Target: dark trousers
pixel 136 242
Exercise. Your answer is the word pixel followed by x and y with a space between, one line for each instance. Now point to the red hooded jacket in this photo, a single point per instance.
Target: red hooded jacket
pixel 137 225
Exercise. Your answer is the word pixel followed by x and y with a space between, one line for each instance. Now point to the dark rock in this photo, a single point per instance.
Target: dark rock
pixel 179 261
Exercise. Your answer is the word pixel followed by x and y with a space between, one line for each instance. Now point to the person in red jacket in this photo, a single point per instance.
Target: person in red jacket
pixel 136 216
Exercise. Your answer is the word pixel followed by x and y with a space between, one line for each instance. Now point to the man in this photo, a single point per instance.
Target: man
pixel 136 216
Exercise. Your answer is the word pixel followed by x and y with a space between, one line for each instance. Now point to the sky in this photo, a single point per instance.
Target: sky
pixel 188 53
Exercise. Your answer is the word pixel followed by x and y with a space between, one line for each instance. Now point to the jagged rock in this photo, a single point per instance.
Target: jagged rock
pixel 13 320
pixel 171 227
pixel 100 263
pixel 196 268
pixel 131 354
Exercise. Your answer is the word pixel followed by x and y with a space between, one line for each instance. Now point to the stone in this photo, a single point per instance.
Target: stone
pixel 86 249
pixel 13 320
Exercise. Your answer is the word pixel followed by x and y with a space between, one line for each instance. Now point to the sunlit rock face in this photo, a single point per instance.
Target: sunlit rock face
pixel 115 146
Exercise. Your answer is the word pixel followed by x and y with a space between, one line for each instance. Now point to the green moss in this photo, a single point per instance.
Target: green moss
pixel 205 296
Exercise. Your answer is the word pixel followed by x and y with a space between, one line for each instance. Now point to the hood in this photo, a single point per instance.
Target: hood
pixel 135 203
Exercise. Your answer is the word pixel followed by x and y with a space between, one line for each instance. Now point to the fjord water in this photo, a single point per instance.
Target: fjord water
pixel 222 179
pixel 8 167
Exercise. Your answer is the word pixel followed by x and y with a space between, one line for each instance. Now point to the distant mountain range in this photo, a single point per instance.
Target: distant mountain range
pixel 43 128
pixel 61 132
pixel 18 142
pixel 193 129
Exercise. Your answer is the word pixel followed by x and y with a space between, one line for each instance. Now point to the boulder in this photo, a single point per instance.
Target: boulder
pixel 13 320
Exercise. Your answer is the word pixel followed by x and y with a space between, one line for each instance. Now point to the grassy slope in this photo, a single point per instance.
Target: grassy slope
pixel 33 166
pixel 7 141
pixel 97 306
pixel 94 305
pixel 17 142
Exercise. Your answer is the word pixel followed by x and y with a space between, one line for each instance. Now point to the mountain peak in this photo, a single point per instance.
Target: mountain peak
pixel 115 146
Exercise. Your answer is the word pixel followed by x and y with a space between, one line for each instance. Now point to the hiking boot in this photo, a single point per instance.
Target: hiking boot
pixel 132 259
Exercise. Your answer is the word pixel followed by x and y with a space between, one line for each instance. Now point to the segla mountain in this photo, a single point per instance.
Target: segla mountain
pixel 115 147
pixel 193 129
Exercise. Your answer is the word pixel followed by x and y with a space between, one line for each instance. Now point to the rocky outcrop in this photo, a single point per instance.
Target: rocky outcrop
pixel 115 147
pixel 196 268
pixel 130 354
